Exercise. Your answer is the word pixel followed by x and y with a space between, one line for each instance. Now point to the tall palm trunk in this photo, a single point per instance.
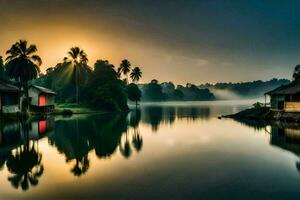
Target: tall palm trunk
pixel 76 83
pixel 25 108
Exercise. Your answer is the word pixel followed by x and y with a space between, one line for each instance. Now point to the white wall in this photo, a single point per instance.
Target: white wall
pixel 34 94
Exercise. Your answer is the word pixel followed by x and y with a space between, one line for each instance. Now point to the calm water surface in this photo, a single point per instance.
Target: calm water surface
pixel 162 151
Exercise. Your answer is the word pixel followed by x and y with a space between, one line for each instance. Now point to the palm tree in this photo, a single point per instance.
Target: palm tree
pixel 1 62
pixel 78 58
pixel 2 70
pixel 136 74
pixel 23 64
pixel 124 68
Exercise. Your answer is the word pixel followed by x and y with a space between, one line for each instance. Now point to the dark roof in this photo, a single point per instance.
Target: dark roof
pixel 43 89
pixel 6 87
pixel 289 89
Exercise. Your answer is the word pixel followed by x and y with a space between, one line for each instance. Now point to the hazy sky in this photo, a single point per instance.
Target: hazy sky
pixel 182 41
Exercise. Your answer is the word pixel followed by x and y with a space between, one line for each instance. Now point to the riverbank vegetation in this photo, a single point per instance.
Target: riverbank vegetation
pixel 99 87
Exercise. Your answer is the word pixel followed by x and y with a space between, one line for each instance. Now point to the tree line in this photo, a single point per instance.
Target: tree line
pixel 167 91
pixel 102 86
pixel 247 89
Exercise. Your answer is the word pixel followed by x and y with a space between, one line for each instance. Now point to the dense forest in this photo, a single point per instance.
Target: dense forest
pixel 252 89
pixel 99 87
pixel 168 91
pixel 102 86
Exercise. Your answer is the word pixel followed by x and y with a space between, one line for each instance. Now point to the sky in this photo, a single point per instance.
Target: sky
pixel 178 40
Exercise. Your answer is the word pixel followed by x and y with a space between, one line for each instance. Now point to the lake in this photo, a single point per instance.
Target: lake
pixel 177 150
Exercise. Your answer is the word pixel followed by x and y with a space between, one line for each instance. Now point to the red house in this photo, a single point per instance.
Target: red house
pixel 41 99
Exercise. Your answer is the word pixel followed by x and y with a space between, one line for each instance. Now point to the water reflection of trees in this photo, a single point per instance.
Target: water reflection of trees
pixel 19 151
pixel 137 140
pixel 153 115
pixel 157 115
pixel 193 113
pixel 25 166
pixel 75 138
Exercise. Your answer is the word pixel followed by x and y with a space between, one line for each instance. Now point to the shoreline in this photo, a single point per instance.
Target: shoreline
pixel 265 114
pixel 56 112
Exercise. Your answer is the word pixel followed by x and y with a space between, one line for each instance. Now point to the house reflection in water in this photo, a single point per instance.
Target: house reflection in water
pixel 13 133
pixel 287 137
pixel 41 128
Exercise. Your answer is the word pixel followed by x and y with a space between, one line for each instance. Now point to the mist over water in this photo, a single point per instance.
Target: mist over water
pixel 226 94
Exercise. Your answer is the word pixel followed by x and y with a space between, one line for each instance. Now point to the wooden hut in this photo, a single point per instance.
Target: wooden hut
pixel 285 98
pixel 9 98
pixel 41 99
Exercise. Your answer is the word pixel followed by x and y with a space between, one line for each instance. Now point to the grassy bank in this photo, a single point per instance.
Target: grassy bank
pixel 73 108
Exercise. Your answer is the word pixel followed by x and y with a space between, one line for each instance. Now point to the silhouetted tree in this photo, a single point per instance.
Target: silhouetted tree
pixel 178 94
pixel 105 90
pixel 153 91
pixel 136 74
pixel 124 68
pixel 296 74
pixel 1 62
pixel 22 64
pixel 49 70
pixel 2 69
pixel 134 93
pixel 193 93
pixel 79 59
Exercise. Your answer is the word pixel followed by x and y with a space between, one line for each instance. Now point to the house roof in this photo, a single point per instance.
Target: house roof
pixel 43 89
pixel 289 89
pixel 6 87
